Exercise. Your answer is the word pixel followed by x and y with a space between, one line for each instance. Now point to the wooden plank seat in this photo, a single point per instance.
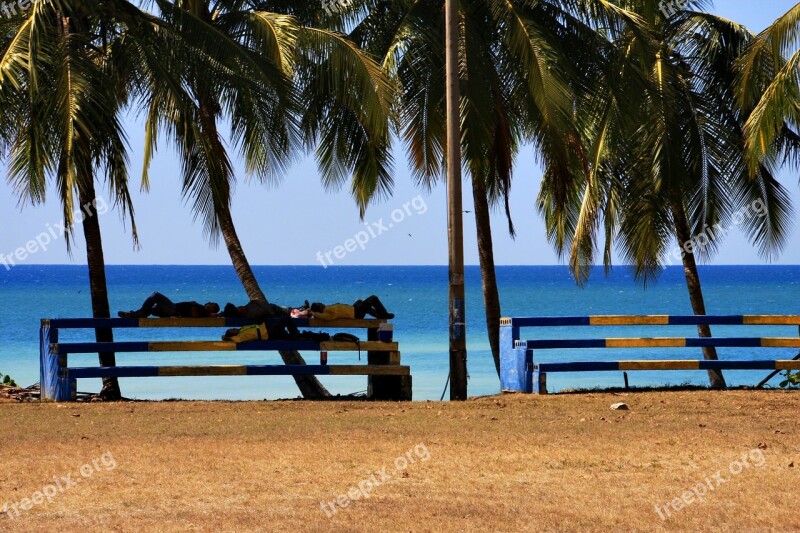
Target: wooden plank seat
pixel 221 346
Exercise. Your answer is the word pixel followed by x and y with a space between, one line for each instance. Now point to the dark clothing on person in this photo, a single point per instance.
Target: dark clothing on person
pixel 371 306
pixel 159 305
pixel 256 311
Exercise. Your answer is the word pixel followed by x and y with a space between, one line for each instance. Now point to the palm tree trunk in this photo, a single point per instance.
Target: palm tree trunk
pixel 683 234
pixel 239 260
pixel 491 296
pixel 97 281
pixel 310 387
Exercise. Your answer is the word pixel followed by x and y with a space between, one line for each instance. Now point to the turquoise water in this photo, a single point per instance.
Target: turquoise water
pixel 418 295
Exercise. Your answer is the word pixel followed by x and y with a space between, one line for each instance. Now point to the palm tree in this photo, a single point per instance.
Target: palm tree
pixel 517 77
pixel 62 91
pixel 666 154
pixel 768 84
pixel 280 86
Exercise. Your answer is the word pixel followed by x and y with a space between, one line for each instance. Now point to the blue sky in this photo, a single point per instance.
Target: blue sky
pixel 298 223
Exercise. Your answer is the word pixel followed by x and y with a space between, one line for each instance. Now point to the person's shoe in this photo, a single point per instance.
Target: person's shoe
pixel 388 315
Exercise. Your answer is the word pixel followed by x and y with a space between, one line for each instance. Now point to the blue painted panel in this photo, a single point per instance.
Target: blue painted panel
pixel 577 367
pixel 52 384
pixel 115 371
pixel 94 347
pixel 547 344
pixel 287 370
pixel 83 323
pixel 550 321
pixel 512 363
pixel 737 365
pixel 517 373
pixel 744 342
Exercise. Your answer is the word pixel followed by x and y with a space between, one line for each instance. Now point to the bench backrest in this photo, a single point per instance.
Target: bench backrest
pixel 516 353
pixel 53 357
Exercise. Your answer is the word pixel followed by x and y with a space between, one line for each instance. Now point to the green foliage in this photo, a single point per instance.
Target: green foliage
pixel 6 380
pixel 282 86
pixel 67 71
pixel 767 83
pixel 519 72
pixel 792 380
pixel 664 140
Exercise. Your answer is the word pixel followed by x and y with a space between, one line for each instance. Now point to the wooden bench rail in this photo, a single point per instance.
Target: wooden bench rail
pixel 669 364
pixel 541 370
pixel 221 346
pixel 653 320
pixel 91 323
pixel 236 370
pixel 663 342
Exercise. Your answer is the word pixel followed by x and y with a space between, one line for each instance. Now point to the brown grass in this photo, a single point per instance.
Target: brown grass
pixel 506 463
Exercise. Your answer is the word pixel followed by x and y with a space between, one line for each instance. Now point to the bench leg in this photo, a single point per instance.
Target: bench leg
pixel 72 389
pixel 539 382
pixel 390 388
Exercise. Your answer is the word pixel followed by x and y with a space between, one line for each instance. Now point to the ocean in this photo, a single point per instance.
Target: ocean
pixel 418 296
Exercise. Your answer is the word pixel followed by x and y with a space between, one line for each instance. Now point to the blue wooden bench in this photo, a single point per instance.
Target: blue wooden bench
pixel 520 372
pixel 387 379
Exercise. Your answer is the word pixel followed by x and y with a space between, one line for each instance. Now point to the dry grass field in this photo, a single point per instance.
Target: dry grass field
pixel 508 463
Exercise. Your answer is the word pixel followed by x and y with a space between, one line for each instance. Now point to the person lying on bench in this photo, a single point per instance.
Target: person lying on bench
pixel 256 311
pixel 159 305
pixel 359 309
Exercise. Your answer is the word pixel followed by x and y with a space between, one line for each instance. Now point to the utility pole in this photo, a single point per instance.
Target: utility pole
pixel 455 222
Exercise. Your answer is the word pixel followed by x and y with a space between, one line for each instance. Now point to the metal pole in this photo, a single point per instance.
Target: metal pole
pixel 455 225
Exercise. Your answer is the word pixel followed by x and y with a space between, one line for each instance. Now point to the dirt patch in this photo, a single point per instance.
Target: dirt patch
pixel 512 463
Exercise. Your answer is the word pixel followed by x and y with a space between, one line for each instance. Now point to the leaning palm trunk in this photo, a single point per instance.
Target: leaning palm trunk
pixel 491 297
pixel 310 386
pixel 97 281
pixel 239 260
pixel 696 293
